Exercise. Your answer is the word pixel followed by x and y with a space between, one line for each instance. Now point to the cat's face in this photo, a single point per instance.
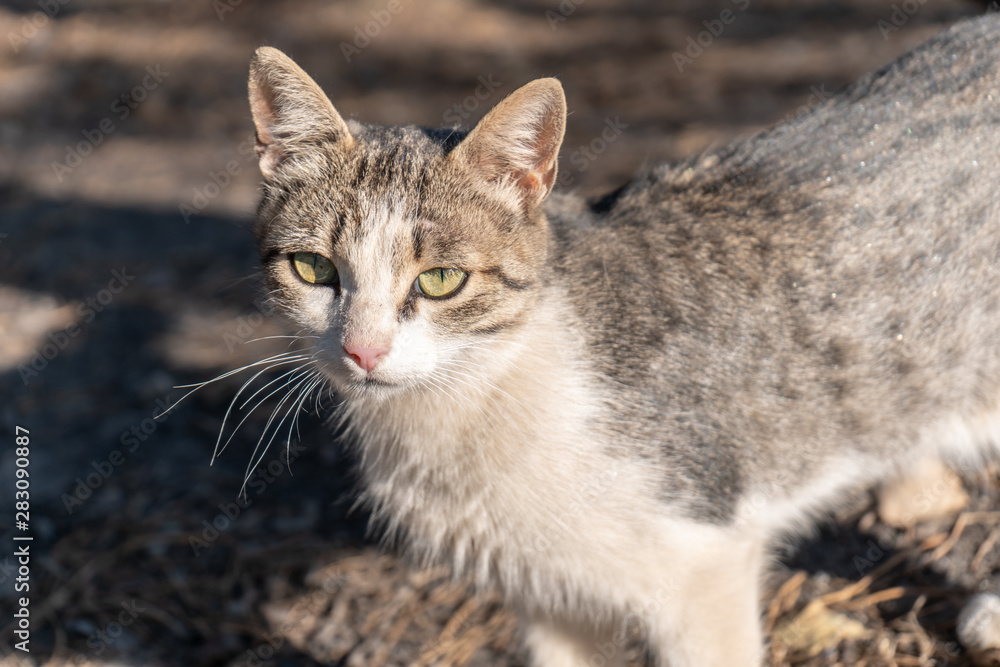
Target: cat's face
pixel 407 256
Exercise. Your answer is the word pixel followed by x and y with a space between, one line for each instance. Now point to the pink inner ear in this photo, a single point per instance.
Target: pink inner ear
pixel 265 120
pixel 547 175
pixel 528 180
pixel 269 156
pixel 536 181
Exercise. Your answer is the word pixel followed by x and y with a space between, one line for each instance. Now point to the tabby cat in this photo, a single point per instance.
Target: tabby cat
pixel 608 410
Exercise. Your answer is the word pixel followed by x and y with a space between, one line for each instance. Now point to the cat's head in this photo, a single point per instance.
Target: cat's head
pixel 406 254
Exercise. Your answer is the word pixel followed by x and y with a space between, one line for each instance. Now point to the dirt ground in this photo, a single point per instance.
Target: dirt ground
pixel 127 268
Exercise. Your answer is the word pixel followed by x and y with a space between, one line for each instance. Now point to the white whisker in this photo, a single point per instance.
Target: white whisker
pixel 253 465
pixel 199 385
pixel 317 379
pixel 293 338
pixel 451 367
pixel 445 375
pixel 250 413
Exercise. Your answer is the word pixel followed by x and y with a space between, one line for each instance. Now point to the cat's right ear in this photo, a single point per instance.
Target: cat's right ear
pixel 290 111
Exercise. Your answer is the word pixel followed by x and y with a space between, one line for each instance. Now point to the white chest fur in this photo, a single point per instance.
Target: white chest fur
pixel 513 481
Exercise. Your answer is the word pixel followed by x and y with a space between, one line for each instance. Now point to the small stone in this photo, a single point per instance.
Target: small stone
pixel 930 490
pixel 979 628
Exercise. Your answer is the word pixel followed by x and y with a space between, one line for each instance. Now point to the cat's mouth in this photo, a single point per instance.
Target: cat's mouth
pixel 370 381
pixel 367 386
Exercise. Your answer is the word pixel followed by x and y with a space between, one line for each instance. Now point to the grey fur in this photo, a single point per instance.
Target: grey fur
pixel 735 265
pixel 703 359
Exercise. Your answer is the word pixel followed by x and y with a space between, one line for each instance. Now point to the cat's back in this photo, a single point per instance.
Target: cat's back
pixel 892 174
pixel 941 97
pixel 822 281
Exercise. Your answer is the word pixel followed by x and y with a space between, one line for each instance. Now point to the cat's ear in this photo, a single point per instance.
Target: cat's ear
pixel 289 110
pixel 517 144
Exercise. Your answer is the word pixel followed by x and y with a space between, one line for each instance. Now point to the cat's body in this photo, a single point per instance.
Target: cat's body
pixel 623 403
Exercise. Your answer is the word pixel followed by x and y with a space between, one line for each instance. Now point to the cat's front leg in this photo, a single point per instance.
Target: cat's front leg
pixel 710 616
pixel 564 643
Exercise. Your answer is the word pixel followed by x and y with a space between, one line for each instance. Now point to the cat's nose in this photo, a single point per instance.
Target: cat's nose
pixel 366 358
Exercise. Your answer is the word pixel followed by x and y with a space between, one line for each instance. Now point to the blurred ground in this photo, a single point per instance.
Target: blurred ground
pixel 127 268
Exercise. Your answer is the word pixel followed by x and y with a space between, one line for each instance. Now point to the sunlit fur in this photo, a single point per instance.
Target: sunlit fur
pixel 629 399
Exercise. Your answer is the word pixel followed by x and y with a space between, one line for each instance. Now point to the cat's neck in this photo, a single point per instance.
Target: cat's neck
pixel 450 468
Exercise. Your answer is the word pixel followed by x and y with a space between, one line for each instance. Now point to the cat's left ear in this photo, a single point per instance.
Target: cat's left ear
pixel 517 144
pixel 290 111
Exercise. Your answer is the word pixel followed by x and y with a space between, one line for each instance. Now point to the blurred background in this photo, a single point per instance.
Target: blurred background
pixel 127 268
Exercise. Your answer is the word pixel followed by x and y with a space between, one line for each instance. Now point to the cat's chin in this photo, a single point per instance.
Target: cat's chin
pixel 367 388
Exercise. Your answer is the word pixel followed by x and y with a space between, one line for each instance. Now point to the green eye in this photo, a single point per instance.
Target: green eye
pixel 315 269
pixel 438 283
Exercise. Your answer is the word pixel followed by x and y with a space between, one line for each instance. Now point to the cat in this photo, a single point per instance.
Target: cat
pixel 611 410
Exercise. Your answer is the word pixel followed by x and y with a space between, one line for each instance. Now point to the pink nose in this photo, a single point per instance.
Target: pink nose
pixel 366 358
